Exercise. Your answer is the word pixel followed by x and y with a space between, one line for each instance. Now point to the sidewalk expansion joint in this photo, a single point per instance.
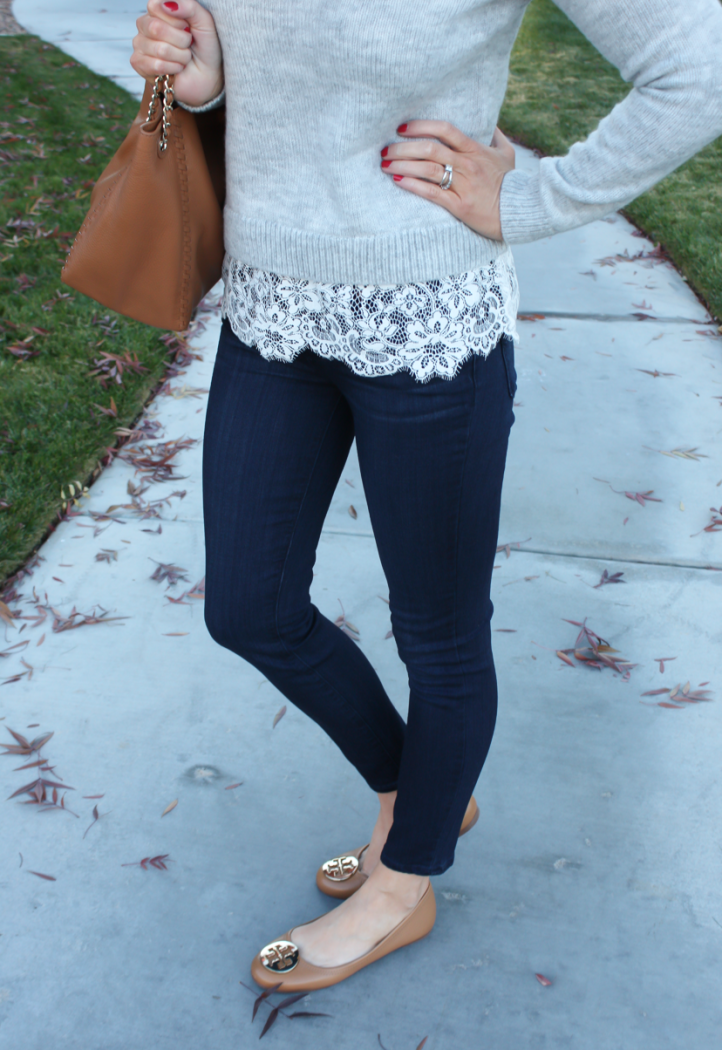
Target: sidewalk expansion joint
pixel 584 556
pixel 606 318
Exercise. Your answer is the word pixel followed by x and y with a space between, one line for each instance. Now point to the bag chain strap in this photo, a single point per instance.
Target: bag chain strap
pixel 162 84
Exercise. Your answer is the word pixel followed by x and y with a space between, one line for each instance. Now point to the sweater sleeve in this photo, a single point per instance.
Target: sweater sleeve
pixel 671 52
pixel 213 103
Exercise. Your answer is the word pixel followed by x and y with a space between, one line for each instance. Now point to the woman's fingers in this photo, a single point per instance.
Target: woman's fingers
pixel 159 48
pixel 175 32
pixel 478 171
pixel 442 130
pixel 179 37
pixel 420 169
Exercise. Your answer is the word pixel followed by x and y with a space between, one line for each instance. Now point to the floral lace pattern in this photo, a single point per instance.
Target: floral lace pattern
pixel 428 329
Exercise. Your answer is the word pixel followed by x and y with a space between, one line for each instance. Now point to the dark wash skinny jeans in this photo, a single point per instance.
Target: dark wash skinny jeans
pixel 432 460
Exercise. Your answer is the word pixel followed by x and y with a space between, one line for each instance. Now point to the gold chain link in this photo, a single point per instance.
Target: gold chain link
pixel 162 84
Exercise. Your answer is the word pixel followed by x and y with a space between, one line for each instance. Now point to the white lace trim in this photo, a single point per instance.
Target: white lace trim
pixel 429 329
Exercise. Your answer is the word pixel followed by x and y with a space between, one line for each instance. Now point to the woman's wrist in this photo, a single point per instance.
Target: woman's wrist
pixel 219 88
pixel 214 99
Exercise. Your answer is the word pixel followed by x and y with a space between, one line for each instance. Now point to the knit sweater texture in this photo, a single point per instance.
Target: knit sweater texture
pixel 314 89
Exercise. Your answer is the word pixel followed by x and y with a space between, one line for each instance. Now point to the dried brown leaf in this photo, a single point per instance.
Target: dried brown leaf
pixel 270 1021
pixel 170 807
pixel 96 818
pixel 279 715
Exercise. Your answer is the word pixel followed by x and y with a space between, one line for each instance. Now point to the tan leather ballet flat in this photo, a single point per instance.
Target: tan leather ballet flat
pixel 341 876
pixel 281 961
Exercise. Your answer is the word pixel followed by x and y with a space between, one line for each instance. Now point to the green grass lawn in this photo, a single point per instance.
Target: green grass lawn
pixel 559 89
pixel 60 125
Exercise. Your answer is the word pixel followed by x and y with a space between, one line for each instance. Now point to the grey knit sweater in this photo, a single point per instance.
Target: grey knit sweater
pixel 315 89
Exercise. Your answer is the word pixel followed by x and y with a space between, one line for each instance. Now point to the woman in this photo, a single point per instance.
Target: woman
pixel 370 292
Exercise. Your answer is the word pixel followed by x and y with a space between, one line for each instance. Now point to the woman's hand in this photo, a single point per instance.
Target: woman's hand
pixel 473 196
pixel 180 38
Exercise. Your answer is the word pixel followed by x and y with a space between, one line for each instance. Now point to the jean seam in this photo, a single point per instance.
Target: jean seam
pixel 510 383
pixel 291 652
pixel 437 866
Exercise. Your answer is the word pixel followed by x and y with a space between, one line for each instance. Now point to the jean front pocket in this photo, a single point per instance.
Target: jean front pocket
pixel 507 353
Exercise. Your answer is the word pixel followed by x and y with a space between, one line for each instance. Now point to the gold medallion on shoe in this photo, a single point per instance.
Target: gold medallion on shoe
pixel 341 876
pixel 338 869
pixel 280 956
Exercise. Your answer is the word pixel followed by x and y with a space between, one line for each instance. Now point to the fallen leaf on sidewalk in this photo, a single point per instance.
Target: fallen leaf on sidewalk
pixel 159 862
pixel 543 980
pixel 96 818
pixel 76 619
pixel 179 392
pixel 169 572
pixel 639 497
pixel 606 578
pixel 595 652
pixel 345 625
pixel 279 715
pixel 106 556
pixel 662 660
pixel 715 524
pixel 156 462
pixel 37 788
pixel 171 806
pixel 507 546
pixel 50 878
pixel 655 374
pixel 11 649
pixel 352 512
pixel 232 786
pixel 681 695
pixel 25 746
pixel 684 453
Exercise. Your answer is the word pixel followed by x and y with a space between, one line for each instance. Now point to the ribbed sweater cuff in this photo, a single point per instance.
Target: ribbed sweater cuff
pixel 213 104
pixel 523 216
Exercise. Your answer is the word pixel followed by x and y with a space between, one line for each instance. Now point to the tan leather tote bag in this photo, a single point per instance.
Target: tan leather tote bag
pixel 151 245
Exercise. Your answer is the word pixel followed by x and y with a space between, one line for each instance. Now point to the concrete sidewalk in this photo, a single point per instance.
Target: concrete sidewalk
pixel 596 861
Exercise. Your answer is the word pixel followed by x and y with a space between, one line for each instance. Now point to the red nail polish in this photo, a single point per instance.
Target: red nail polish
pixel 384 151
pixel 188 29
pixel 398 178
pixel 171 5
pixel 386 163
pixel 402 128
